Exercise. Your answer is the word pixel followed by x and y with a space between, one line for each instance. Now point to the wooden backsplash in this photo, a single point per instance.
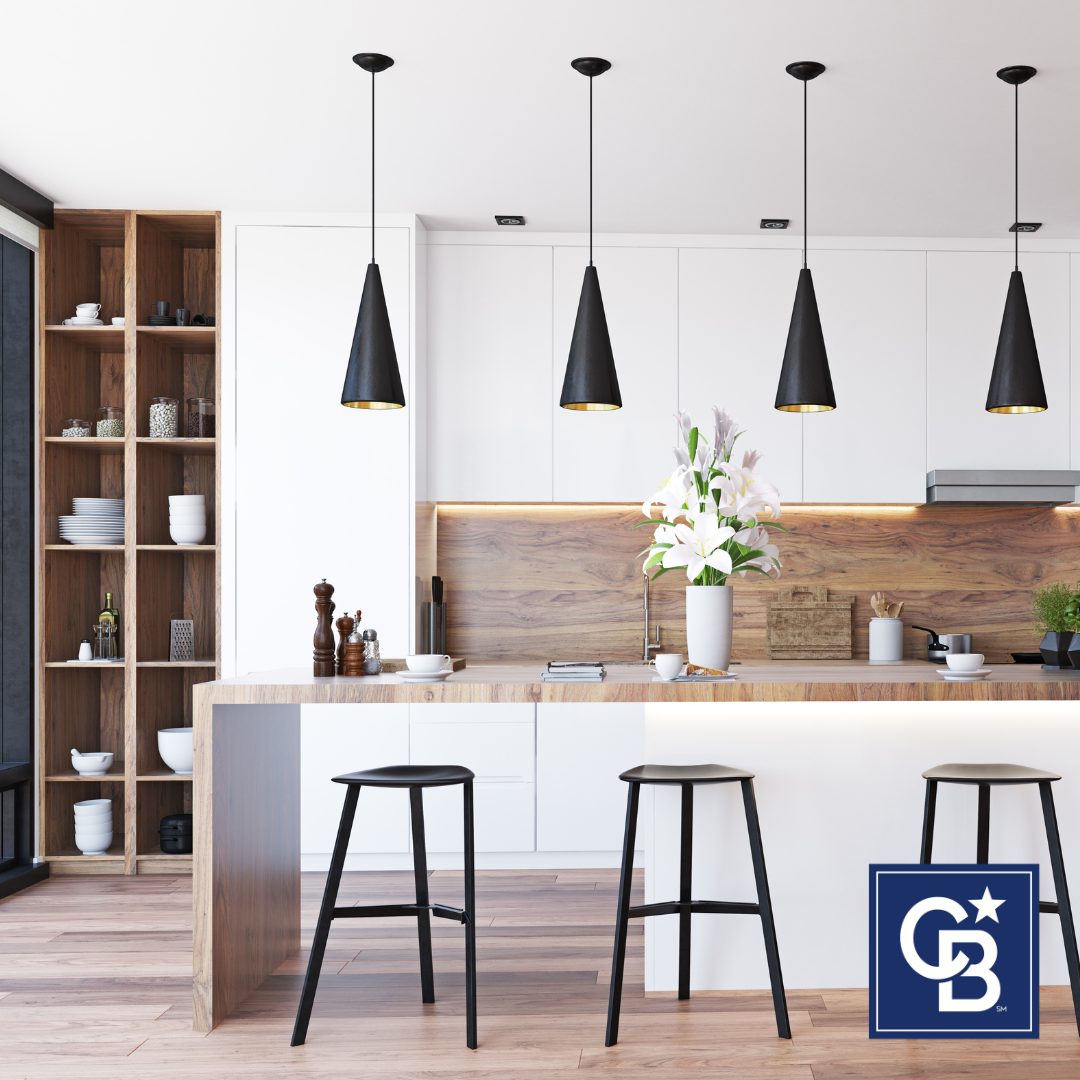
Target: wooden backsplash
pixel 536 582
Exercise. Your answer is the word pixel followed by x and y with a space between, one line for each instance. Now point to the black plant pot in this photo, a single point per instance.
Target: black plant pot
pixel 1057 646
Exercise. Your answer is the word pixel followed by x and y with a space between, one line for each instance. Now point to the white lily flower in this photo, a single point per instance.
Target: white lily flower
pixel 743 495
pixel 697 545
pixel 724 432
pixel 672 495
pixel 757 539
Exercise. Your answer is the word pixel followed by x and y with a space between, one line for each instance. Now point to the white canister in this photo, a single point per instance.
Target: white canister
pixel 886 641
pixel 85 652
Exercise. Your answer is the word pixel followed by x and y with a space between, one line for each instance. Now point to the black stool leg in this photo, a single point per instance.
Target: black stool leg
pixel 326 915
pixel 768 927
pixel 423 918
pixel 622 918
pixel 929 810
pixel 470 919
pixel 1061 886
pixel 686 876
pixel 982 842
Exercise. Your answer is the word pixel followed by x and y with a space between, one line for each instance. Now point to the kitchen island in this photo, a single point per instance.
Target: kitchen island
pixel 837 748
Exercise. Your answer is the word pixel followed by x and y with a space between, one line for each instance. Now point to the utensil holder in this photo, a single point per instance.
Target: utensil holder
pixel 886 641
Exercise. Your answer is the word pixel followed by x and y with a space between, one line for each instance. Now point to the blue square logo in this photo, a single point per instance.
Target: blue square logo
pixel 954 952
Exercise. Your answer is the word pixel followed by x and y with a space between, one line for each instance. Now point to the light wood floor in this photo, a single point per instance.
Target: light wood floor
pixel 95 984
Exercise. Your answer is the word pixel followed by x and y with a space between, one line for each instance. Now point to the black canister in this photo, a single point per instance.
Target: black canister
pixel 175 833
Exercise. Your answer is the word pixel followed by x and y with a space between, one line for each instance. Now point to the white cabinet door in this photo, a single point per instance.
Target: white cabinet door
pixel 872 448
pixel 1074 424
pixel 624 455
pixel 734 310
pixel 489 373
pixel 966 298
pixel 580 751
pixel 321 491
pixel 344 738
pixel 498 743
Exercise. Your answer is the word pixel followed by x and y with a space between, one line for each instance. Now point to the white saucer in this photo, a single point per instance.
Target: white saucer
pixel 963 676
pixel 425 676
pixel 78 320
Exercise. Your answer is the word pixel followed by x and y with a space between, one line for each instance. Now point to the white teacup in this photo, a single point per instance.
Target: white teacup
pixel 118 320
pixel 968 661
pixel 87 311
pixel 427 663
pixel 668 665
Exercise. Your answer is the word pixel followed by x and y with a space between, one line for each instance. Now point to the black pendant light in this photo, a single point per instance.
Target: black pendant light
pixel 805 383
pixel 1016 386
pixel 372 380
pixel 590 383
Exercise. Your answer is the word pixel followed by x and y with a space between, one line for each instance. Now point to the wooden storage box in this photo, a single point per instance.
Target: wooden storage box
pixel 803 623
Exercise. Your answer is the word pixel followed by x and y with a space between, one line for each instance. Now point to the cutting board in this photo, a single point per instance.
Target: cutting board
pixel 805 623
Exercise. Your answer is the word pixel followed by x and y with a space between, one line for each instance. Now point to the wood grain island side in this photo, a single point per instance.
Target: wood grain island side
pixel 247 791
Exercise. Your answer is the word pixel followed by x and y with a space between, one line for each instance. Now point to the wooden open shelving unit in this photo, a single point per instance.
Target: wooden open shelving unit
pixel 124 260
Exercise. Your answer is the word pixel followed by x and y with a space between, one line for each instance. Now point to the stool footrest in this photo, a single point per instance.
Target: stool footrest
pixel 385 911
pixel 695 907
pixel 1049 907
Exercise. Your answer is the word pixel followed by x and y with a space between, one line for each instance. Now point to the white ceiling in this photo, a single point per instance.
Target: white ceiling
pixel 257 106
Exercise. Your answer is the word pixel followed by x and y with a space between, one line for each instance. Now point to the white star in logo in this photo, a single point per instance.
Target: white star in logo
pixel 987 906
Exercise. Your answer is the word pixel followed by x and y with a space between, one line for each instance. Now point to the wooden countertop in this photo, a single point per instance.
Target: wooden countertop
pixel 808 680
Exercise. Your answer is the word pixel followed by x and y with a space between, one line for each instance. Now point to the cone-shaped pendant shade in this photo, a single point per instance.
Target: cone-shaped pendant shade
pixel 1016 385
pixel 373 380
pixel 805 381
pixel 590 383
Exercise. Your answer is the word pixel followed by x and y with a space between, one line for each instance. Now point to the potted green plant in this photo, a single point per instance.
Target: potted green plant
pixel 1057 616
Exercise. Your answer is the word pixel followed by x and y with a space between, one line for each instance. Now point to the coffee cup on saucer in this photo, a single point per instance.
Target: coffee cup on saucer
pixel 87 311
pixel 118 320
pixel 668 665
pixel 427 663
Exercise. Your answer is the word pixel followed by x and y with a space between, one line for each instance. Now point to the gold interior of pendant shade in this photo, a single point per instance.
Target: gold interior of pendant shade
pixel 805 408
pixel 1017 409
pixel 591 406
pixel 371 405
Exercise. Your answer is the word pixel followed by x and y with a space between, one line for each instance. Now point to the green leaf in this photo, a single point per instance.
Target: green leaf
pixel 653 559
pixel 652 521
pixel 665 569
pixel 692 441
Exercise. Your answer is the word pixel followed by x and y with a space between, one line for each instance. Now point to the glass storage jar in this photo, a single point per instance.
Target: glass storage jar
pixel 110 422
pixel 77 429
pixel 164 414
pixel 200 418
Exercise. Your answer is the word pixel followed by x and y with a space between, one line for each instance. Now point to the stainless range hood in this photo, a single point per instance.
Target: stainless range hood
pixel 1046 487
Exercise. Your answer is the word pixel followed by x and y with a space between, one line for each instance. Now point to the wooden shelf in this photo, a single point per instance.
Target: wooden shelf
pixel 178 446
pixel 82 665
pixel 78 857
pixel 115 776
pixel 166 775
pixel 160 863
pixel 190 338
pixel 89 444
pixel 176 664
pixel 191 549
pixel 106 338
pixel 85 547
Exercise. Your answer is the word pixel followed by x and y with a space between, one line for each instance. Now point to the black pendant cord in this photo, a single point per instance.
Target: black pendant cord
pixel 804 175
pixel 373 166
pixel 590 172
pixel 1016 175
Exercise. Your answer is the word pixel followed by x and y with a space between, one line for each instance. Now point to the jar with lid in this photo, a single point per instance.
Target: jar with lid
pixel 200 418
pixel 77 429
pixel 372 660
pixel 164 414
pixel 110 422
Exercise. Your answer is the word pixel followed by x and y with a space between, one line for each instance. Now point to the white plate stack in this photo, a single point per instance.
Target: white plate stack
pixel 187 519
pixel 94 521
pixel 93 826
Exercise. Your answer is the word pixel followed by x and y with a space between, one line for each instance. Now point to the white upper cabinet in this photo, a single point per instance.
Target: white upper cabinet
pixel 489 373
pixel 1074 427
pixel 623 455
pixel 734 310
pixel 966 298
pixel 872 448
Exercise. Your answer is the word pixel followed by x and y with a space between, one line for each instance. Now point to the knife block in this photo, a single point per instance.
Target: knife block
pixel 432 627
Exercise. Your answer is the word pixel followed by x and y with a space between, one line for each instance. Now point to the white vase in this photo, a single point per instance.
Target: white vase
pixel 886 641
pixel 708 625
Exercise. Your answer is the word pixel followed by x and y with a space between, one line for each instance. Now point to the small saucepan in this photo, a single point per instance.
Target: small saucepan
pixel 938 646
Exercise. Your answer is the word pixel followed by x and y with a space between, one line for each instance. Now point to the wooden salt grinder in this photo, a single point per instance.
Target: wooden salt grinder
pixel 323 653
pixel 344 628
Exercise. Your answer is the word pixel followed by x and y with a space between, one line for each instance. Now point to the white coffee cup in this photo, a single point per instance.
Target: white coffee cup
pixel 427 663
pixel 969 661
pixel 668 665
pixel 118 320
pixel 87 311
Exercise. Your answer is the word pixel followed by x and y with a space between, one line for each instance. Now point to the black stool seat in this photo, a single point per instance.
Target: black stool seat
pixel 988 774
pixel 684 774
pixel 408 776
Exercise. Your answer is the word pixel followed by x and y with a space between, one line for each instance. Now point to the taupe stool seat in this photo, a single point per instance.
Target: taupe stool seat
pixel 985 776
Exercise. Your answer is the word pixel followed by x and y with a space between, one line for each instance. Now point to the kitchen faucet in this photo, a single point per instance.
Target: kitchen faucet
pixel 648 647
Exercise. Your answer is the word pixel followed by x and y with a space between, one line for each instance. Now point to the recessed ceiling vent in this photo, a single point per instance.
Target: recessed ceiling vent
pixel 509 219
pixel 1025 226
pixel 775 223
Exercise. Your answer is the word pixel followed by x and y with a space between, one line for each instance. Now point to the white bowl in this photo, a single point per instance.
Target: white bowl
pixel 97 844
pixel 668 665
pixel 427 663
pixel 188 534
pixel 118 320
pixel 970 661
pixel 91 833
pixel 187 500
pixel 187 517
pixel 96 764
pixel 93 823
pixel 93 804
pixel 176 749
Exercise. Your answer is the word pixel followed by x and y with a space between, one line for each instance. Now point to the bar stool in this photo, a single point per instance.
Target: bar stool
pixel 687 776
pixel 984 777
pixel 415 778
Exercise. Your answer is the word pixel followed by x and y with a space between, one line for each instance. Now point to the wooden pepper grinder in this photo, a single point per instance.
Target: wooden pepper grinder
pixel 344 628
pixel 323 654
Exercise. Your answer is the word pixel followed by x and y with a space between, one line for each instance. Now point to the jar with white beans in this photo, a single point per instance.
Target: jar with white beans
pixel 164 417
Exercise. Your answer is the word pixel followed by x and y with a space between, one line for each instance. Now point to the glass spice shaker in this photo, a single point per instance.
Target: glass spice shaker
pixel 200 418
pixel 372 661
pixel 110 422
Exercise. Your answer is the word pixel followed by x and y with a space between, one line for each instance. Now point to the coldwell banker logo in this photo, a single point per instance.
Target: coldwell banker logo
pixel 954 952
